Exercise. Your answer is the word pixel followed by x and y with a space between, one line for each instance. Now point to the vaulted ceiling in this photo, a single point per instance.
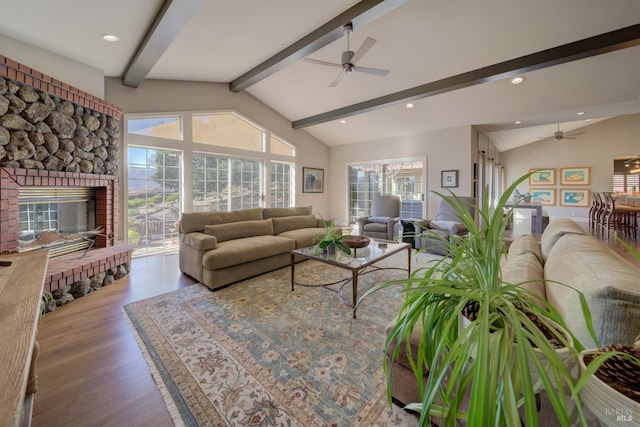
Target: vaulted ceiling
pixel 438 52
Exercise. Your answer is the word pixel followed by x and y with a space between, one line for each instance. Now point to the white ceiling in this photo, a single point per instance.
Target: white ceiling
pixel 420 42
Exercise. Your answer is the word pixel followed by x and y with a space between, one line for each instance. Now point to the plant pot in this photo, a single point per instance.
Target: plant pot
pixel 331 249
pixel 565 354
pixel 607 404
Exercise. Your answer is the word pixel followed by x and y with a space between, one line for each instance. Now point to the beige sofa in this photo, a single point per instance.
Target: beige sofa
pixel 565 254
pixel 219 248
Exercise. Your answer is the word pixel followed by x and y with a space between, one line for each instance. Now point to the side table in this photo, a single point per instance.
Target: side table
pixel 409 230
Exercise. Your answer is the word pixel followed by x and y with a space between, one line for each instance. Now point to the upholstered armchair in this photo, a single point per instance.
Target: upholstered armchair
pixel 384 221
pixel 438 232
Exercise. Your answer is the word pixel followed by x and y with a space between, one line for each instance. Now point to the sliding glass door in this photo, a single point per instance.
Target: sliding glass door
pixel 402 178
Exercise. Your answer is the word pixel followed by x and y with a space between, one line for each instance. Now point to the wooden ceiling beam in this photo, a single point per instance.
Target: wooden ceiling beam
pixel 173 16
pixel 360 14
pixel 581 49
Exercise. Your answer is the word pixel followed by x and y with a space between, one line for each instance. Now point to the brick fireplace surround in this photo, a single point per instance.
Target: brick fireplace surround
pixel 67 269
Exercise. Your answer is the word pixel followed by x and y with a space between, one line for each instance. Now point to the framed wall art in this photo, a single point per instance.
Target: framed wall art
pixel 575 176
pixel 544 196
pixel 546 176
pixel 578 198
pixel 312 180
pixel 449 179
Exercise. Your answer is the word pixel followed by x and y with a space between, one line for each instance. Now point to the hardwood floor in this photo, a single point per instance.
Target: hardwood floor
pixel 91 371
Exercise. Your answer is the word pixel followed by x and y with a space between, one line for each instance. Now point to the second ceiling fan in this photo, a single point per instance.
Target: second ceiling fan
pixel 350 58
pixel 560 135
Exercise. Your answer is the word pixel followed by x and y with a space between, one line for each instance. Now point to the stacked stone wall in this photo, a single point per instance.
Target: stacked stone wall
pixel 38 131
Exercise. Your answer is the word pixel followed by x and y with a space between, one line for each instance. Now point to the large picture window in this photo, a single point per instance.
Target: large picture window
pixel 225 161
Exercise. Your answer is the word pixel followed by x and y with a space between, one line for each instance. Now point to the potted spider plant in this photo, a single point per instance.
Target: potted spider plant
pixel 331 238
pixel 487 373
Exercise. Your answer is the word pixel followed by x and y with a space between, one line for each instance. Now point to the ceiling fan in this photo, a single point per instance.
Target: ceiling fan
pixel 560 135
pixel 349 59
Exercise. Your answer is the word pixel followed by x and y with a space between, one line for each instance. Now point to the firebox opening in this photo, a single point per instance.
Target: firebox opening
pixel 56 218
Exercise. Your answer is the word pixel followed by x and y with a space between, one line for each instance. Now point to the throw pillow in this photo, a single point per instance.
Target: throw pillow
pixel 288 223
pixel 240 229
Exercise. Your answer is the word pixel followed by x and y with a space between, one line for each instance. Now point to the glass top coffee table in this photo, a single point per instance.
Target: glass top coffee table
pixel 360 263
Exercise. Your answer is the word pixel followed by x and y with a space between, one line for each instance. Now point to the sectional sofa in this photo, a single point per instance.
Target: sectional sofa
pixel 219 248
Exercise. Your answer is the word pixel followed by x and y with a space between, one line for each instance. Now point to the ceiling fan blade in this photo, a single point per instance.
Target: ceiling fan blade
pixel 329 64
pixel 337 80
pixel 374 71
pixel 574 134
pixel 366 45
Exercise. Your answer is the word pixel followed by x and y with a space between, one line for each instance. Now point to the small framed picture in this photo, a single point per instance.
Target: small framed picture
pixel 575 176
pixel 579 198
pixel 449 179
pixel 545 176
pixel 312 180
pixel 544 196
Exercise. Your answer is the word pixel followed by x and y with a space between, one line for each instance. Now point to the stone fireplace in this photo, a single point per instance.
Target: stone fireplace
pixel 55 138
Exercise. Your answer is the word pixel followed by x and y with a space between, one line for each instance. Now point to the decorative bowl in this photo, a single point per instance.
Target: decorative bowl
pixel 355 242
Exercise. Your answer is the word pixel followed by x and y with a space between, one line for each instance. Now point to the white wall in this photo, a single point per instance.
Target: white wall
pixel 74 73
pixel 444 150
pixel 619 136
pixel 154 96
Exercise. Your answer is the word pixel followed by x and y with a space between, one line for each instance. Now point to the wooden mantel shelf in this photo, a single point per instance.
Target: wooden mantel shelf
pixel 21 285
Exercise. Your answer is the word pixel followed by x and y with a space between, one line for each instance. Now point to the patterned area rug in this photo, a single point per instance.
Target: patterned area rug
pixel 258 354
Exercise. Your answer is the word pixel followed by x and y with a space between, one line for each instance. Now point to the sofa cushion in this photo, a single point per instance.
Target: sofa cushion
pixel 526 270
pixel 554 231
pixel 526 244
pixel 302 236
pixel 238 230
pixel 287 223
pixel 280 212
pixel 609 283
pixel 379 219
pixel 240 251
pixel 196 221
pixel 414 341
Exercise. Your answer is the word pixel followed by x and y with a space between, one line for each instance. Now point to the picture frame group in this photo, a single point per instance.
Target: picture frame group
pixel 579 176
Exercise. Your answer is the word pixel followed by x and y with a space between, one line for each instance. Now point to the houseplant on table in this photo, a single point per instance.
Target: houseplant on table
pixel 331 238
pixel 481 373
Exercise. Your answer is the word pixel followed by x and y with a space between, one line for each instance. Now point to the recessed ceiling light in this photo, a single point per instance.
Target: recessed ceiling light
pixel 409 105
pixel 518 122
pixel 580 113
pixel 109 37
pixel 587 120
pixel 517 80
pixel 343 121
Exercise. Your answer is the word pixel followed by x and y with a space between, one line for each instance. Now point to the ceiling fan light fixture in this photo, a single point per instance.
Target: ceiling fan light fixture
pixel 517 80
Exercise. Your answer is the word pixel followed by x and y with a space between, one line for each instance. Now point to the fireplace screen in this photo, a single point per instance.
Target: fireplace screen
pixel 52 216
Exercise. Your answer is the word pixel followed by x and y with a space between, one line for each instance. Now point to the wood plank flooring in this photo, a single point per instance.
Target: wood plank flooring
pixel 91 371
